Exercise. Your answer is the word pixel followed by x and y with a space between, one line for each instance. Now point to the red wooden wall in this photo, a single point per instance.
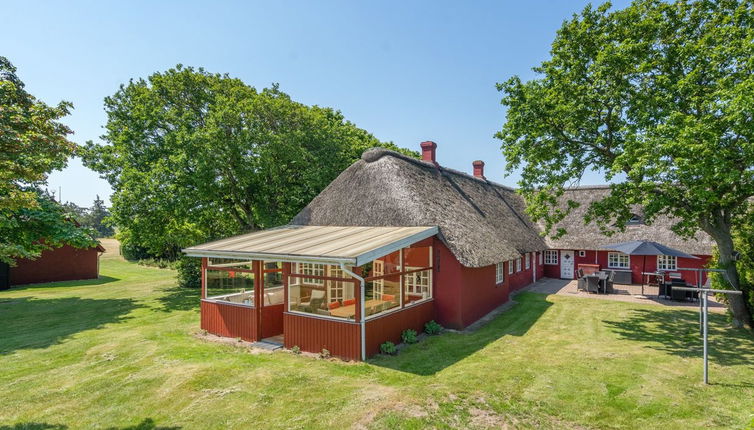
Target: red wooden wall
pixel 636 262
pixel 272 320
pixel 60 264
pixel 390 326
pixel 313 334
pixel 228 320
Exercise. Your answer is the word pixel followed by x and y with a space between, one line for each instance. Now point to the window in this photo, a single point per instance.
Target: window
pixel 314 270
pixel 540 257
pixel 229 280
pixel 330 298
pixel 518 264
pixel 666 262
pixel 499 270
pixel 528 261
pixel 551 256
pixel 582 253
pixel 417 284
pixel 617 260
pixel 510 267
pixel 635 220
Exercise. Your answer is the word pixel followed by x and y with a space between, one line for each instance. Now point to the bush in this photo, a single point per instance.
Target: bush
pixel 189 272
pixel 133 252
pixel 158 262
pixel 296 349
pixel 388 348
pixel 432 328
pixel 409 336
pixel 324 354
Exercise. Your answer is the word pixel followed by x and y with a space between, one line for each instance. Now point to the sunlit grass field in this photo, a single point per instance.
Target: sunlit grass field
pixel 121 352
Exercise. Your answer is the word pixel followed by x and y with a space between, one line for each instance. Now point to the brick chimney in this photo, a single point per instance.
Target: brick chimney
pixel 478 169
pixel 428 151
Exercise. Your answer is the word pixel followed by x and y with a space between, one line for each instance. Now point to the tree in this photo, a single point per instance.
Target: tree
pixel 193 156
pixel 658 97
pixel 32 143
pixel 28 231
pixel 96 218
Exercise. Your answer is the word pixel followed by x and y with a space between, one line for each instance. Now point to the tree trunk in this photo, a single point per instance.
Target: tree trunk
pixel 721 233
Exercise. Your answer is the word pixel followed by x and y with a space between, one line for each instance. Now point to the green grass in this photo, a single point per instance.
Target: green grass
pixel 120 352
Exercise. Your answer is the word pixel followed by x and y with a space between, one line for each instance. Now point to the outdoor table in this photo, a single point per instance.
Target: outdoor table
pixel 350 310
pixel 602 277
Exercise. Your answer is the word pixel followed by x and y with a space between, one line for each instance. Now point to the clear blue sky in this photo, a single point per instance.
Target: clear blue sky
pixel 405 71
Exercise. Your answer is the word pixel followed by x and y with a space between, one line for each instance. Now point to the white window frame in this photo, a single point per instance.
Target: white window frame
pixel 618 260
pixel 314 269
pixel 551 257
pixel 528 261
pixel 541 258
pixel 510 267
pixel 499 273
pixel 518 264
pixel 664 262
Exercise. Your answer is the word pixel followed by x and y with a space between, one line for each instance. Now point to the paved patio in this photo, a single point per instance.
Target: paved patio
pixel 623 293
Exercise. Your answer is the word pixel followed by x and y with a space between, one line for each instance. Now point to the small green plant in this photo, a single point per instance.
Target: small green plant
pixel 388 348
pixel 296 349
pixel 432 328
pixel 409 336
pixel 205 332
pixel 324 354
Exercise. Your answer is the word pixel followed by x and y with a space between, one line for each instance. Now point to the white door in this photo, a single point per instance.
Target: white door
pixel 566 264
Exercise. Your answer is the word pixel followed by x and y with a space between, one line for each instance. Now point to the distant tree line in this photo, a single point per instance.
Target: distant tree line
pixel 94 217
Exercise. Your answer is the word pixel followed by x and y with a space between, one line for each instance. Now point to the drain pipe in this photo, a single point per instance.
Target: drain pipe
pixel 362 294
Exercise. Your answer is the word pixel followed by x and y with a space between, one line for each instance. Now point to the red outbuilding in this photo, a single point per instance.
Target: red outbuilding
pixel 392 243
pixel 65 263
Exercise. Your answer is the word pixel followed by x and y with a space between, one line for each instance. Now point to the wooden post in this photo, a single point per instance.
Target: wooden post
pixel 286 273
pixel 402 279
pixel 256 265
pixel 204 278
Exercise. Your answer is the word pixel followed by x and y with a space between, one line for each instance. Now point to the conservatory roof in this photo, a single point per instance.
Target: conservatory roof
pixel 352 245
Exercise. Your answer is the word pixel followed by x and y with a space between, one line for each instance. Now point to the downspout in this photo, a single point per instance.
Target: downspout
pixel 362 310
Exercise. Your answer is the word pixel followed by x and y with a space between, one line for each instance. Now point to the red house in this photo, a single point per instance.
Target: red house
pixel 65 263
pixel 390 244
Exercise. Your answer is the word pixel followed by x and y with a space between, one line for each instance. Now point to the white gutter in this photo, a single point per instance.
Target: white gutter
pixel 362 294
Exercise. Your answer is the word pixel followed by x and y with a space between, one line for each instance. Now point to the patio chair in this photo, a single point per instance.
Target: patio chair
pixel 580 273
pixel 315 301
pixel 592 284
pixel 609 289
pixel 676 294
pixel 581 284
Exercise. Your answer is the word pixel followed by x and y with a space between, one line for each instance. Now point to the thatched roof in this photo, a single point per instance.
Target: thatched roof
pixel 481 222
pixel 588 236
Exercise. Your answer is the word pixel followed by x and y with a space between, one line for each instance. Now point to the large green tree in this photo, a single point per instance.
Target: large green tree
pixel 33 142
pixel 659 98
pixel 193 156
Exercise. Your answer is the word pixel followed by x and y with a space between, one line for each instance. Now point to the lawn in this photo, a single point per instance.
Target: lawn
pixel 121 352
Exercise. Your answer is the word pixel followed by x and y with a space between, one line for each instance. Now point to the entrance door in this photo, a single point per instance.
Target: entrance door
pixel 566 264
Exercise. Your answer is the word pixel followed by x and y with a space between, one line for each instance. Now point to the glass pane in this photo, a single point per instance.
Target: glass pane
pixel 415 258
pixel 418 285
pixel 273 283
pixel 382 295
pixel 386 265
pixel 333 298
pixel 229 263
pixel 230 286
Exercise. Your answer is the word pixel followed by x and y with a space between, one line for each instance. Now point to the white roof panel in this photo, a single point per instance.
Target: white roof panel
pixel 354 245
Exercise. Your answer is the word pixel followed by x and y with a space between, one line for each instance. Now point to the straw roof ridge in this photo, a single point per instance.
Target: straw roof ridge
pixel 480 221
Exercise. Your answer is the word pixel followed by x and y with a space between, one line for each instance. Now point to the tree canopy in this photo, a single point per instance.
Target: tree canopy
pixel 193 156
pixel 33 142
pixel 657 97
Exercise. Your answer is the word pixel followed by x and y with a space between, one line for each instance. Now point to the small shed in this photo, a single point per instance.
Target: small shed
pixel 65 263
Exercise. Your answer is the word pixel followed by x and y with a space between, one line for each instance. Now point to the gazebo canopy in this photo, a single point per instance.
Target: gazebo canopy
pixel 646 247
